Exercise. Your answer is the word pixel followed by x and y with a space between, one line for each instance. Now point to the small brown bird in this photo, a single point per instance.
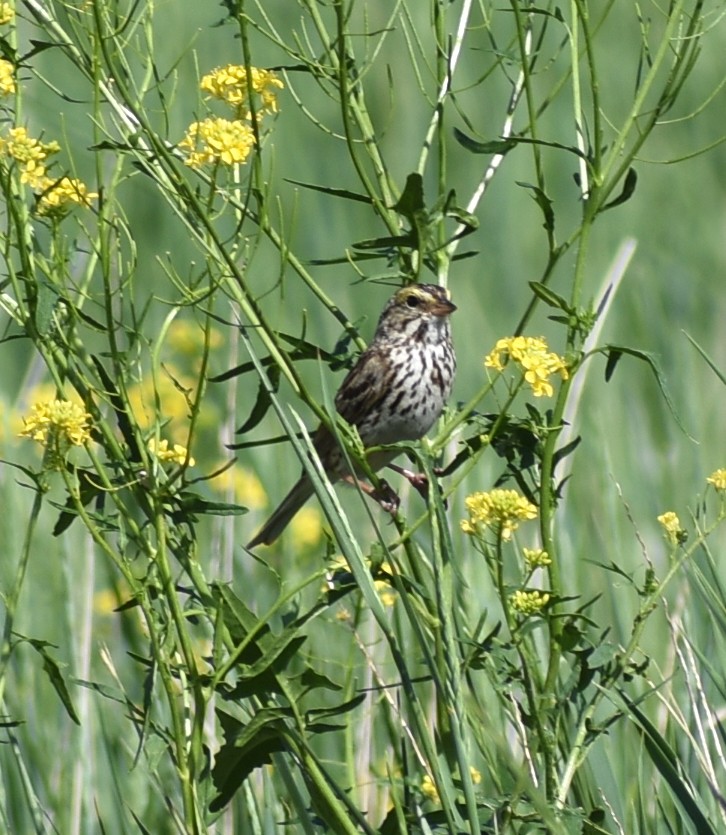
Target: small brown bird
pixel 395 391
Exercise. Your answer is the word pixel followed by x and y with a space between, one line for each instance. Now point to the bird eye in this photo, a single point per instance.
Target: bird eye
pixel 413 301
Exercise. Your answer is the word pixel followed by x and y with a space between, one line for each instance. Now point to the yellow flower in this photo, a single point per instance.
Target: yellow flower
pixel 217 141
pixel 167 393
pixel 26 150
pixel 386 592
pixel 178 453
pixel 528 602
pixel 307 527
pixel 339 569
pixel 243 483
pixel 185 337
pixel 7 78
pixel 61 421
pixel 229 84
pixel 7 14
pixel 531 353
pixel 429 789
pixel 33 174
pixel 718 479
pixel 536 557
pixel 499 509
pixel 57 196
pixel 674 531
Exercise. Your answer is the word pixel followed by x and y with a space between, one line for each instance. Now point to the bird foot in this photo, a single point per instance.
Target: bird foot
pixel 384 494
pixel 386 497
pixel 419 481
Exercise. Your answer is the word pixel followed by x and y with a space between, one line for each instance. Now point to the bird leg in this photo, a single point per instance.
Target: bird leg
pixel 419 481
pixel 384 494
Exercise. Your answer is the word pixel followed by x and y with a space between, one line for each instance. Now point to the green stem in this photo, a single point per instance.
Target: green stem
pixel 11 600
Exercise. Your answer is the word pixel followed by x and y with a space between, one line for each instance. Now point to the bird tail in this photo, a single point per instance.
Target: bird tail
pixel 280 519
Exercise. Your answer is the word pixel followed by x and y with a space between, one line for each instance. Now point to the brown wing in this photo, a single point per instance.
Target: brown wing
pixel 364 387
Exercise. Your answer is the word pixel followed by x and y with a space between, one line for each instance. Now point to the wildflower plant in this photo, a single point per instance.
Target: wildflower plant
pixel 191 233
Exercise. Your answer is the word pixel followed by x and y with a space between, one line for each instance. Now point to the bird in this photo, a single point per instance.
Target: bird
pixel 395 391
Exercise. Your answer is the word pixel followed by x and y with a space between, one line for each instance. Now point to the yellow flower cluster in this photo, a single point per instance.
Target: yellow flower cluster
pixel 718 479
pixel 229 84
pixel 386 592
pixel 215 141
pixel 63 194
pixel 7 14
pixel 7 78
pixel 177 454
pixel 529 602
pixel 60 420
pixel 429 788
pixel 31 156
pixel 499 509
pixel 675 533
pixel 536 558
pixel 532 354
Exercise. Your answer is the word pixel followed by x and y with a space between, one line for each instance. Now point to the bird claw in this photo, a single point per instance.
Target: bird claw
pixel 386 497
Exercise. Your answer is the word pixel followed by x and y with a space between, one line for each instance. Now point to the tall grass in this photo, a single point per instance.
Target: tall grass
pixel 527 649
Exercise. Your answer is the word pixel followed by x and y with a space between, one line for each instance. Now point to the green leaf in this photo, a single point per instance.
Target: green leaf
pixel 411 202
pixel 338 710
pixel 301 350
pixel 53 671
pixel 88 490
pixel 651 361
pixel 263 401
pixel 240 621
pixel 194 503
pixel 349 257
pixel 125 425
pixel 711 364
pixel 631 179
pixel 543 292
pixel 494 146
pixel 245 748
pixel 385 243
pixel 544 203
pixel 613 358
pixel 566 450
pixel 45 303
pixel 333 192
pixel 666 761
pixel 311 679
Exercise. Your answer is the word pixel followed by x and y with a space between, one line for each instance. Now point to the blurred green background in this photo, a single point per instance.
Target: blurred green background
pixel 634 461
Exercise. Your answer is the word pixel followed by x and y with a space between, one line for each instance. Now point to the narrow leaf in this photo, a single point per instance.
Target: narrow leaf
pixel 194 503
pixel 544 203
pixel 614 357
pixel 494 146
pixel 52 670
pixel 651 361
pixel 543 292
pixel 386 242
pixel 411 202
pixel 711 364
pixel 631 179
pixel 262 403
pixel 87 491
pixel 333 192
pixel 665 760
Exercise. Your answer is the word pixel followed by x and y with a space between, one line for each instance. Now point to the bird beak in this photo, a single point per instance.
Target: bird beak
pixel 443 308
